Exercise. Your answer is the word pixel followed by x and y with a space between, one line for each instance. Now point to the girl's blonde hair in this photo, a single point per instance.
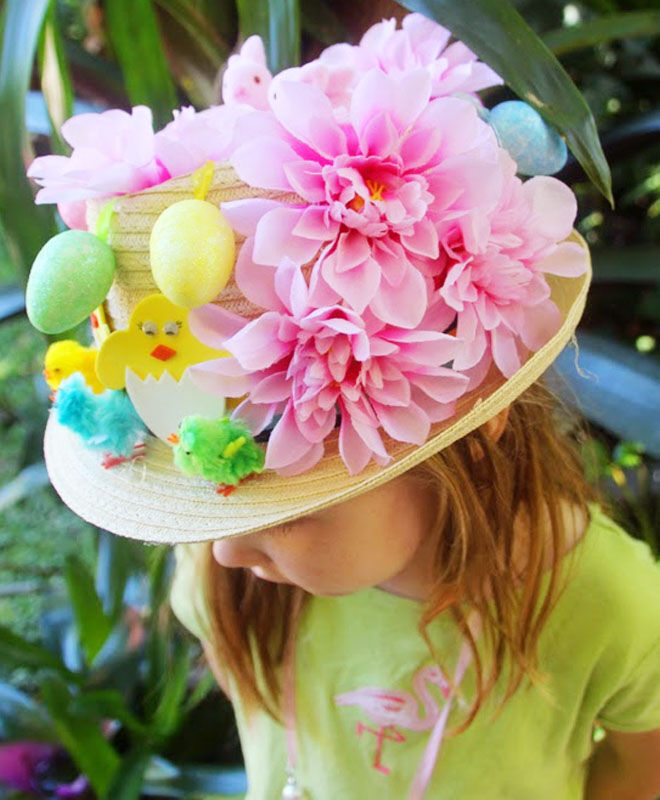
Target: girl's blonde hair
pixel 483 488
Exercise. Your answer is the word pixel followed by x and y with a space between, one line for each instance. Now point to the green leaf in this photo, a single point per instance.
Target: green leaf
pixel 169 712
pixel 92 624
pixel 108 703
pixel 55 80
pixel 205 686
pixel 278 24
pixel 22 718
pixel 193 20
pixel 80 735
pixel 497 33
pixel 134 34
pixel 321 22
pixel 160 560
pixel 128 781
pixel 116 558
pixel 18 652
pixel 27 227
pixel 604 29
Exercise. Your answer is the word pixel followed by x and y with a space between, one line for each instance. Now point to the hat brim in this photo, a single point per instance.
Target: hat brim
pixel 151 500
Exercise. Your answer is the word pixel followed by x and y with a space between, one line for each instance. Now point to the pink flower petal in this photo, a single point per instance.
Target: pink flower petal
pixel 404 304
pixel 291 287
pixel 275 239
pixel 256 281
pixel 423 240
pixel 255 416
pixel 260 162
pixel 316 224
pixel 407 424
pixel 257 345
pixel 505 351
pixel 243 215
pixel 435 412
pixel 568 259
pixel 306 462
pixel 223 376
pixel 74 215
pixel 305 178
pixel 213 325
pixel 286 444
pixel 471 332
pixel 402 98
pixel 356 285
pixel 307 113
pixel 272 389
pixel 553 206
pixel 541 323
pixel 444 387
pixel 317 426
pixel 379 136
pixel 353 450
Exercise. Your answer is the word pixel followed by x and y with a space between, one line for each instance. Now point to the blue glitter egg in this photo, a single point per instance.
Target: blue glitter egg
pixel 536 148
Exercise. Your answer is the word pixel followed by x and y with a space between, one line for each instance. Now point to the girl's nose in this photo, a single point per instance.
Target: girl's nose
pixel 237 552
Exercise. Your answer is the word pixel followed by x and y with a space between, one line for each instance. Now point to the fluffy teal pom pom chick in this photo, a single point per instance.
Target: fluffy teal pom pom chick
pixel 106 422
pixel 220 450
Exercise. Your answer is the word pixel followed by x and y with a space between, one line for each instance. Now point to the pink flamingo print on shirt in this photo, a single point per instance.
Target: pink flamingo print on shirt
pixel 390 708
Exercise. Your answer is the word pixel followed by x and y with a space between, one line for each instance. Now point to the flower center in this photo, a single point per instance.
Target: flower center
pixel 376 189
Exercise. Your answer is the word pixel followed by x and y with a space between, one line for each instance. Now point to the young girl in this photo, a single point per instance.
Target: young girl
pixel 332 299
pixel 374 598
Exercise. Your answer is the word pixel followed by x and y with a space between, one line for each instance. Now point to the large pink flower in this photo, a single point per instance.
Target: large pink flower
pixel 116 153
pixel 113 153
pixel 375 188
pixel 309 364
pixel 496 280
pixel 419 43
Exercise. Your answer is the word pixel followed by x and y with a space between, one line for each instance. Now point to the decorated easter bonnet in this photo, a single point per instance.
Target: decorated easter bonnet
pixel 299 294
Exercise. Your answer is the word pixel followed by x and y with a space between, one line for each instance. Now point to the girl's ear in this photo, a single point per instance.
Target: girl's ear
pixel 493 428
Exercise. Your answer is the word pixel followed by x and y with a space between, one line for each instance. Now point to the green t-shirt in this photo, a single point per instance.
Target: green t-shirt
pixel 600 650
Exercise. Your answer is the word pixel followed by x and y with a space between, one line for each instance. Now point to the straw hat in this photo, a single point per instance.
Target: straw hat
pixel 427 220
pixel 151 500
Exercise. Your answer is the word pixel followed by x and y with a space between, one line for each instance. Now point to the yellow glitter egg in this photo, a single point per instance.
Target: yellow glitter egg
pixel 192 252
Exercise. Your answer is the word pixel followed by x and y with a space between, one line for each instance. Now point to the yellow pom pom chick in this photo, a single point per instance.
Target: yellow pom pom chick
pixel 67 357
pixel 157 340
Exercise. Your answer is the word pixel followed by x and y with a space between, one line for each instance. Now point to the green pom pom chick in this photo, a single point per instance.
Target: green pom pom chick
pixel 220 450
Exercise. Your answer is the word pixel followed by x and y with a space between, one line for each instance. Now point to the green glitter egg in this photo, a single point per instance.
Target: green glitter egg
pixel 70 277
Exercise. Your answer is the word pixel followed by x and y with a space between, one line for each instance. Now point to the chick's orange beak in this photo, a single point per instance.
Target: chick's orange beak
pixel 163 352
pixel 173 438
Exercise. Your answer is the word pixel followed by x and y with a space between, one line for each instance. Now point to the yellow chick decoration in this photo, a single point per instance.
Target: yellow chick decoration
pixel 150 360
pixel 66 357
pixel 157 340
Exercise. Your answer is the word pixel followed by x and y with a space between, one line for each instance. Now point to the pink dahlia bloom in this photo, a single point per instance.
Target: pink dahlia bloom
pixel 113 153
pixel 306 364
pixel 376 189
pixel 419 43
pixel 496 280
